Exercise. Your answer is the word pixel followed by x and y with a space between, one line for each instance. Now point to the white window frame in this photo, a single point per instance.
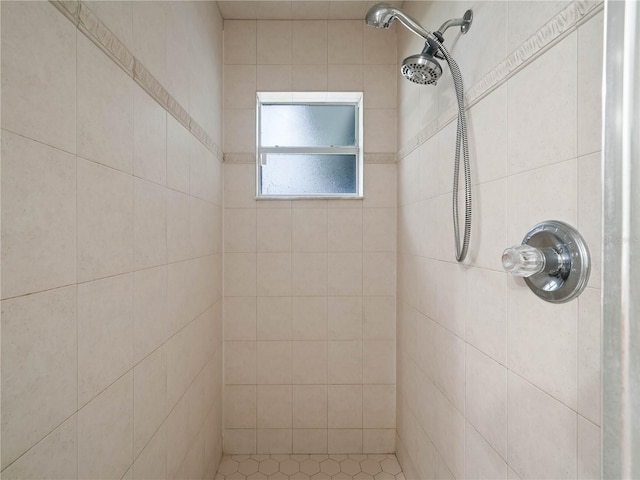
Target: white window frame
pixel 312 98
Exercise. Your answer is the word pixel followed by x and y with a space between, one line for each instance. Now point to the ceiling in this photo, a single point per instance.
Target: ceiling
pixel 296 9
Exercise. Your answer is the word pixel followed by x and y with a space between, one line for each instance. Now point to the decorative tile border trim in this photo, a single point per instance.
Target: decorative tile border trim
pixel 96 31
pixel 559 27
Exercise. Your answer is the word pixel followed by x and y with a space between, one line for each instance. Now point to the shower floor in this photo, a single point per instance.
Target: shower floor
pixel 316 467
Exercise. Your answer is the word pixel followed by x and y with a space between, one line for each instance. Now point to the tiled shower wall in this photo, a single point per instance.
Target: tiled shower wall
pixel 492 381
pixel 309 285
pixel 111 236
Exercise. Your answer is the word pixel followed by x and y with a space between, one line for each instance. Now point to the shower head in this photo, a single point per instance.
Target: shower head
pixel 422 69
pixel 382 15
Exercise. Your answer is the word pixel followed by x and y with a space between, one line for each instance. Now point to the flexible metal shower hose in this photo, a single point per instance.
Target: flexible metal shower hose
pixel 461 140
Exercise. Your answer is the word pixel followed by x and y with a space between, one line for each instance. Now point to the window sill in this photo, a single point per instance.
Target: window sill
pixel 309 197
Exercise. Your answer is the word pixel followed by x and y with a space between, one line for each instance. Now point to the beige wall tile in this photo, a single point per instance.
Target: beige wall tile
pixel 274 230
pixel 274 406
pixel 278 78
pixel 378 362
pixel 481 461
pixel 309 318
pixel 345 362
pixel 105 334
pixel 274 318
pixel 309 78
pixel 590 216
pixel 553 366
pixel 488 125
pixel 149 225
pixel 380 186
pixel 106 425
pixel 590 46
pixel 379 406
pixel 178 139
pixel 241 441
pixel 105 109
pixel 309 406
pixel 532 141
pixel 379 130
pixel 239 186
pixel 240 38
pixel 345 318
pixel 38 217
pixel 345 440
pixel 177 436
pixel 379 273
pixel 309 274
pixel 36 103
pixel 309 362
pixel 589 355
pixel 345 230
pixel 149 37
pixel 486 399
pixel 240 318
pixel 240 406
pixel 310 440
pixel 345 42
pixel 275 440
pixel 56 456
pixel 152 461
pixel 542 433
pixel 178 227
pixel 379 232
pixel 149 138
pixel 379 440
pixel 345 406
pixel 39 381
pixel 345 274
pixel 274 42
pixel 379 318
pixel 380 46
pixel 309 230
pixel 589 449
pixel 309 41
pixel 274 363
pixel 240 130
pixel 240 230
pixel 149 398
pixel 105 221
pixel 380 85
pixel 345 78
pixel 274 274
pixel 240 274
pixel 240 363
pixel 486 317
pixel 150 323
pixel 240 86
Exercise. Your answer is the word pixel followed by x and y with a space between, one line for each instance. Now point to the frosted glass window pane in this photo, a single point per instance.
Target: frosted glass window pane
pixel 308 125
pixel 309 174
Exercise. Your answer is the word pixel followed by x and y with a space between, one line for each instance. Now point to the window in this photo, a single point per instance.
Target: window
pixel 309 145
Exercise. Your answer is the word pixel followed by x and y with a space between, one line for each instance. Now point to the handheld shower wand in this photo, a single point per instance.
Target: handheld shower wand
pixel 424 69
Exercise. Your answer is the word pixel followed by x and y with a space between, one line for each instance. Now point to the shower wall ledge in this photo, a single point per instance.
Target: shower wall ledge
pixel 559 27
pixel 96 31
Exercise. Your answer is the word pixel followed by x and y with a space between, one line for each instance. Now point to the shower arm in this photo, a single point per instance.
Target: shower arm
pixel 382 15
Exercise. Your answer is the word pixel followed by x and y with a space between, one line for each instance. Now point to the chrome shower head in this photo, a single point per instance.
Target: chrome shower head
pixel 422 69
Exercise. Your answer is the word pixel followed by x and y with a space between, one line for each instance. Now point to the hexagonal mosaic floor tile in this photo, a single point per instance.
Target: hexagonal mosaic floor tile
pixel 310 467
